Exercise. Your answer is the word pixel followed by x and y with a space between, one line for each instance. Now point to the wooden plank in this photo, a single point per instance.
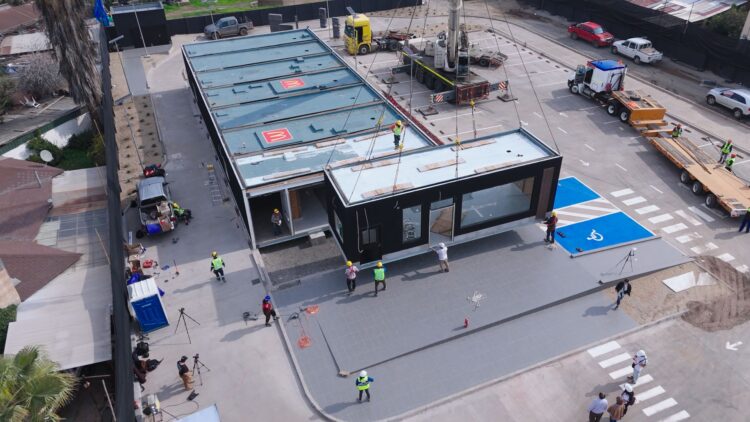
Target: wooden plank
pixel 475 144
pixel 648 122
pixel 653 132
pixel 281 174
pixel 387 190
pixel 375 164
pixel 340 163
pixel 330 143
pixel 440 164
pixel 283 151
pixel 485 169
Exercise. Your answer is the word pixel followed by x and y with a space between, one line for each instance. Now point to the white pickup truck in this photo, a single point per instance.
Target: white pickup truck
pixel 639 49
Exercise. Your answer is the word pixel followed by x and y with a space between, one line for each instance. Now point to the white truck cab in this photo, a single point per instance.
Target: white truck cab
pixel 639 49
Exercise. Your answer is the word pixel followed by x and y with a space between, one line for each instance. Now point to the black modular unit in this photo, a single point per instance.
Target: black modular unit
pixel 153 24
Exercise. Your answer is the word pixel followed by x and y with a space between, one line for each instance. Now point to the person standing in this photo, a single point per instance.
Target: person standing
pixel 397 129
pixel 551 223
pixel 363 384
pixel 726 149
pixel 217 266
pixel 442 255
pixel 628 397
pixel 597 408
pixel 622 288
pixel 276 221
pixel 268 310
pixel 351 276
pixel 639 362
pixel 379 275
pixel 745 221
pixel 730 162
pixel 184 372
pixel 677 131
pixel 616 411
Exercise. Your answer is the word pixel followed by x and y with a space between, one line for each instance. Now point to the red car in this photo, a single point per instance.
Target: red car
pixel 591 32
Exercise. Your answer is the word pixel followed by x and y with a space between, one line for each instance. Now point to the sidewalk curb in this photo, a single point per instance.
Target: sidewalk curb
pixel 468 391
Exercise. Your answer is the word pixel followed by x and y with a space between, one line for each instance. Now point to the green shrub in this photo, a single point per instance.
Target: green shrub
pixel 7 315
pixel 39 144
pixel 82 141
pixel 97 151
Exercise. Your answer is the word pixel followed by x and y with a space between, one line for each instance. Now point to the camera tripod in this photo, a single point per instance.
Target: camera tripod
pixel 182 320
pixel 197 364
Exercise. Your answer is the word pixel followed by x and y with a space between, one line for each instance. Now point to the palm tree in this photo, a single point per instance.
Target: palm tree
pixel 32 388
pixel 65 25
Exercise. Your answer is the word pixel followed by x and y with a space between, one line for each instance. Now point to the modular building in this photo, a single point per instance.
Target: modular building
pixel 391 208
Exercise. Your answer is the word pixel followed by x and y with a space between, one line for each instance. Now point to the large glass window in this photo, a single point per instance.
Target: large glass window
pixel 496 202
pixel 412 223
pixel 339 226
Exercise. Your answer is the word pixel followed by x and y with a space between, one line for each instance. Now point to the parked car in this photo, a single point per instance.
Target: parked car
pixel 639 49
pixel 154 207
pixel 737 100
pixel 227 27
pixel 591 32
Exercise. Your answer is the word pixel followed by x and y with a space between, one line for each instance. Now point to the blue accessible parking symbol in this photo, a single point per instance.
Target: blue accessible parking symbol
pixel 602 232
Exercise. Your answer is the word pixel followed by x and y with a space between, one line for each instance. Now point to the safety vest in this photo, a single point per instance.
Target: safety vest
pixel 728 163
pixel 379 274
pixel 217 263
pixel 676 132
pixel 727 148
pixel 363 383
pixel 397 130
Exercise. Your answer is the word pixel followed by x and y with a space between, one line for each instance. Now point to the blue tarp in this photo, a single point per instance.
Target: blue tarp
pixel 607 64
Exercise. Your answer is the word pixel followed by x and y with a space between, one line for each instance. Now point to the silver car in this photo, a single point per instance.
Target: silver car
pixel 737 100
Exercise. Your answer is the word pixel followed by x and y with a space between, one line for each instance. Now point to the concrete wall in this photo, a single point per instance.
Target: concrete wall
pixel 58 136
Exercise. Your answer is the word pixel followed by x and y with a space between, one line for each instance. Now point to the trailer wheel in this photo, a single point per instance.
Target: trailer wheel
pixel 612 109
pixel 429 81
pixel 420 75
pixel 697 188
pixel 685 177
pixel 711 200
pixel 625 115
pixel 393 46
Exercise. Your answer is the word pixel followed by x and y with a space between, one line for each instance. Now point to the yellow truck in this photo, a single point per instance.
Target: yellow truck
pixel 359 40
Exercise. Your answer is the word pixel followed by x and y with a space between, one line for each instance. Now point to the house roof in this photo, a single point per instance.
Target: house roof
pixel 18 16
pixel 24 44
pixel 33 264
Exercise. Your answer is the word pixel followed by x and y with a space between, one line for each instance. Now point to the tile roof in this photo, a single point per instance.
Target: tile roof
pixel 14 17
pixel 35 265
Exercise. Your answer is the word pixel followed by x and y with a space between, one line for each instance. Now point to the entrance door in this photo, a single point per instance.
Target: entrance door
pixel 441 225
pixel 369 240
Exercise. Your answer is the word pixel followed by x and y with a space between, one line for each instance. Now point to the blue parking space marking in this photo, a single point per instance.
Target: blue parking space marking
pixel 601 232
pixel 571 191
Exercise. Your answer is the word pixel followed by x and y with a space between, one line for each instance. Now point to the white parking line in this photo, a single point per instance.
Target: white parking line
pixel 454 116
pixel 633 201
pixel 575 214
pixel 621 167
pixel 589 147
pixel 524 123
pixel 538 115
pixel 562 130
pixel 649 394
pixel 687 217
pixel 660 218
pixel 674 228
pixel 590 108
pixel 658 407
pixel 701 214
pixel 698 250
pixel 619 193
pixel 688 237
pixel 604 348
pixel 654 188
pixel 726 257
pixel 647 210
pixel 642 380
pixel 524 63
pixel 621 372
pixel 593 208
pixel 622 357
pixel 679 416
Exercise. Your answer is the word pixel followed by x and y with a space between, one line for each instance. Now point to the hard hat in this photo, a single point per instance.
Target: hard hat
pixel 441 244
pixel 362 374
pixel 380 264
pixel 398 122
pixel 679 124
pixel 267 298
pixel 628 388
pixel 275 210
pixel 349 263
pixel 213 254
pixel 734 155
pixel 175 204
pixel 729 140
pixel 553 213
pixel 640 353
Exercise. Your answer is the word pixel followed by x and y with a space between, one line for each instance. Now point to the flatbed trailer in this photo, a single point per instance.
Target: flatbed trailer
pixel 635 108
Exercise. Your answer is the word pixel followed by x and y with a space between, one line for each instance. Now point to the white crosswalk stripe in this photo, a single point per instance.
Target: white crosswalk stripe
pixel 621 372
pixel 701 214
pixel 614 360
pixel 647 209
pixel 688 217
pixel 660 218
pixel 633 201
pixel 620 193
pixel 649 394
pixel 603 349
pixel 726 257
pixel 688 237
pixel 674 228
pixel 645 379
pixel 658 407
pixel 698 250
pixel 679 416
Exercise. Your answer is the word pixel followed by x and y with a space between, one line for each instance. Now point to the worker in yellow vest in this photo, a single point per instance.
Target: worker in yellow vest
pixel 397 129
pixel 726 149
pixel 730 162
pixel 677 131
pixel 379 275
pixel 363 385
pixel 217 266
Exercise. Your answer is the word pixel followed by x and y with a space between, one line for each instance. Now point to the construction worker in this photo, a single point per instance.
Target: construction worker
pixel 726 149
pixel 397 128
pixel 363 385
pixel 268 310
pixel 551 223
pixel 379 275
pixel 730 162
pixel 351 276
pixel 184 372
pixel 745 222
pixel 184 214
pixel 677 131
pixel 276 221
pixel 217 266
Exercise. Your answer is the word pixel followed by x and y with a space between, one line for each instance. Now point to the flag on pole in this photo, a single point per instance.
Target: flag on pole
pixel 100 13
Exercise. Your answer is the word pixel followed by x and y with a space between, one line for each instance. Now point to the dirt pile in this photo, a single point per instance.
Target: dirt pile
pixel 723 312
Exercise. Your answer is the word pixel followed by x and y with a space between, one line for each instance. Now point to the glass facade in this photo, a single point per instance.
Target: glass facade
pixel 339 226
pixel 496 202
pixel 412 223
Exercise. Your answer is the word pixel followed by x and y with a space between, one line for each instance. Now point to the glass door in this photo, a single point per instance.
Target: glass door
pixel 441 225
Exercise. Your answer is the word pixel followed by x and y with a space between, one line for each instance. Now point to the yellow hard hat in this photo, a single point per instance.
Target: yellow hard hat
pixel 175 204
pixel 554 213
pixel 275 210
pixel 398 122
pixel 380 264
pixel 349 263
pixel 213 254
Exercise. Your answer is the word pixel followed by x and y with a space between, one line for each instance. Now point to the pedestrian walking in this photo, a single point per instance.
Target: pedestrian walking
pixel 442 255
pixel 745 221
pixel 217 266
pixel 617 410
pixel 268 310
pixel 351 276
pixel 639 362
pixel 628 397
pixel 597 408
pixel 276 221
pixel 379 275
pixel 726 149
pixel 184 373
pixel 363 384
pixel 397 129
pixel 551 223
pixel 677 131
pixel 730 162
pixel 622 288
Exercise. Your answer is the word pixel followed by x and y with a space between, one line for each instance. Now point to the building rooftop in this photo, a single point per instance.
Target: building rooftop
pixel 428 167
pixel 142 7
pixel 286 105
